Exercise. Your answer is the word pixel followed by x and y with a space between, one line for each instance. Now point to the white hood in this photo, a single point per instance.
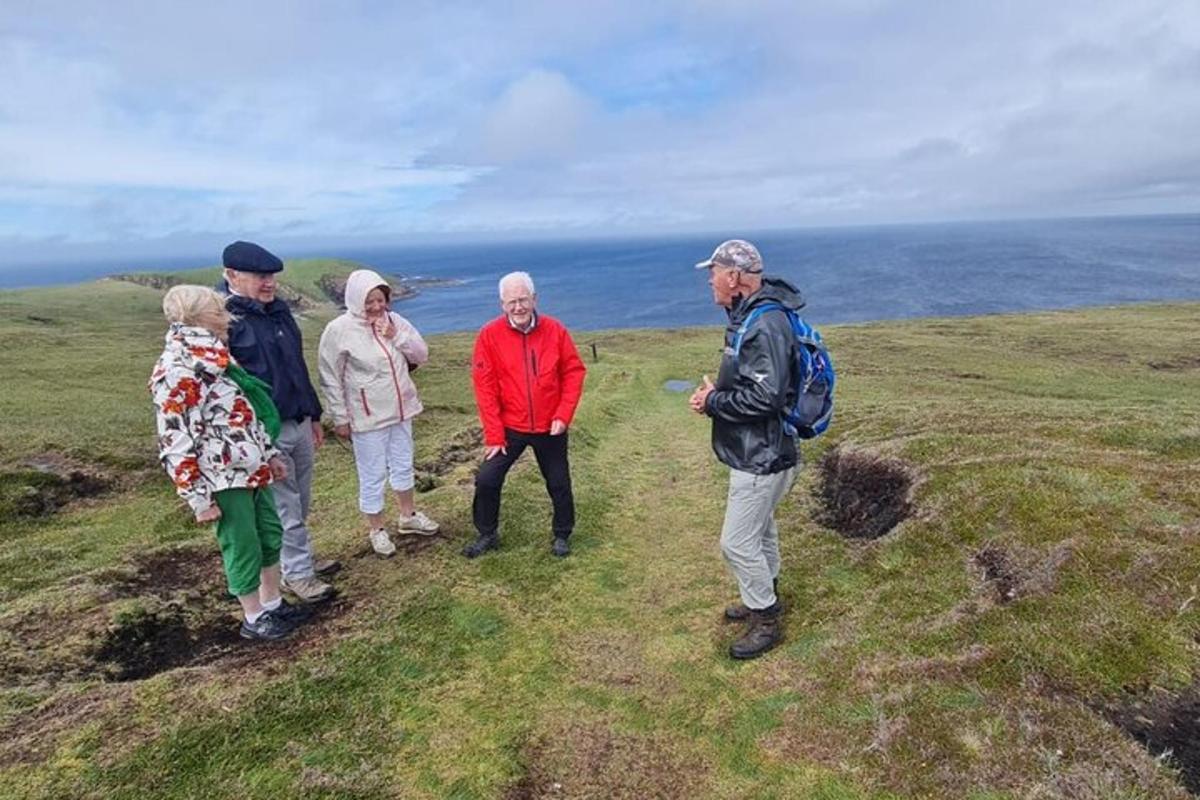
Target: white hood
pixel 358 286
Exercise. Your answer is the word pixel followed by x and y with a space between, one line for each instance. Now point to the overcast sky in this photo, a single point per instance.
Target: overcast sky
pixel 125 122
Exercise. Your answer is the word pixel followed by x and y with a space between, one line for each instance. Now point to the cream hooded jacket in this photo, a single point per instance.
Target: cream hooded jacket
pixel 364 376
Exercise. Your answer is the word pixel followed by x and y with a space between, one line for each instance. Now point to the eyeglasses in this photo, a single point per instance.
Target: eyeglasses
pixel 517 302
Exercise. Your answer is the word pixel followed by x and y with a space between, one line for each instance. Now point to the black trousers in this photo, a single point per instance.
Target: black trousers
pixel 551 454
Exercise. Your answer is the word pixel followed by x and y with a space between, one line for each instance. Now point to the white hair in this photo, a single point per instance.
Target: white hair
pixel 188 304
pixel 523 277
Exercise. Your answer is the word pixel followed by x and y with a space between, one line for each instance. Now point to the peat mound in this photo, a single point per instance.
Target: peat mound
pixel 863 494
pixel 462 448
pixel 45 483
pixel 1167 724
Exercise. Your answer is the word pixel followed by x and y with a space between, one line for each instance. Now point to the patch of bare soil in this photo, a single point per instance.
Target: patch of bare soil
pixel 1012 572
pixel 45 483
pixel 1167 724
pixel 862 494
pixel 462 448
pixel 1181 363
pixel 165 609
pixel 592 760
pixel 29 738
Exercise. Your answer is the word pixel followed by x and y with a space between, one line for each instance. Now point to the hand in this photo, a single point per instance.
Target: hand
pixel 492 450
pixel 318 435
pixel 700 397
pixel 385 327
pixel 278 468
pixel 557 427
pixel 210 514
pixel 342 431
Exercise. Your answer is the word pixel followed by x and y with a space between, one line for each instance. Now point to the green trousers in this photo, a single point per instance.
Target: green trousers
pixel 250 536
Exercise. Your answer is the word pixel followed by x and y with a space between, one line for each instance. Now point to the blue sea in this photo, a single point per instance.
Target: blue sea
pixel 846 274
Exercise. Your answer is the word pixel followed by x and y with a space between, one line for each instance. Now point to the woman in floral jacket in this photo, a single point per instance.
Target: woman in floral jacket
pixel 365 356
pixel 213 444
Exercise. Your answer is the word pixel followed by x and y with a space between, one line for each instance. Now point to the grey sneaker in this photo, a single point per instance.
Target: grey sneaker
pixel 327 566
pixel 418 524
pixel 560 548
pixel 381 543
pixel 269 627
pixel 311 589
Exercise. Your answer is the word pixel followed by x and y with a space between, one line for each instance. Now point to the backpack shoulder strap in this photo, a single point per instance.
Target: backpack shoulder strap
pixel 750 319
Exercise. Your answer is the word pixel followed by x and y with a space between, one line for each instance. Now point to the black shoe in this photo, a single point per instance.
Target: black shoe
pixel 561 547
pixel 267 628
pixel 481 545
pixel 738 612
pixel 295 614
pixel 765 632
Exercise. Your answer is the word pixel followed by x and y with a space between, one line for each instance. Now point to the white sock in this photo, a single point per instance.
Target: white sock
pixel 253 618
pixel 274 604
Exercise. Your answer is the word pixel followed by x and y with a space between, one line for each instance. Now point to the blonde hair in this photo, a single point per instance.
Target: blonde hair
pixel 188 304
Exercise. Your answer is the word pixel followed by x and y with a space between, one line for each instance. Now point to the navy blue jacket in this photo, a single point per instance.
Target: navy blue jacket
pixel 265 340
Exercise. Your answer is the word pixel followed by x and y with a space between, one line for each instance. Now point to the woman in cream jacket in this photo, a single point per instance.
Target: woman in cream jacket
pixel 365 357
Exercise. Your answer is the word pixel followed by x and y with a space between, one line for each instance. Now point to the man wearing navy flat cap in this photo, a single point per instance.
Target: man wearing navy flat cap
pixel 265 340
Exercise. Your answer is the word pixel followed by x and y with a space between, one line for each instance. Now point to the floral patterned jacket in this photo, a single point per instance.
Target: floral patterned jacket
pixel 209 439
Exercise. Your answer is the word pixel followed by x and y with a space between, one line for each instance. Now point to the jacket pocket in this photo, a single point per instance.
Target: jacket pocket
pixel 362 393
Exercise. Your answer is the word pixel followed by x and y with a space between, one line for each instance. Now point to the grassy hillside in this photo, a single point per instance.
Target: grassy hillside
pixel 1032 615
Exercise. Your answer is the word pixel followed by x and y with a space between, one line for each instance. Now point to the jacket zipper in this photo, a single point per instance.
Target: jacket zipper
pixel 528 383
pixel 363 394
pixel 392 367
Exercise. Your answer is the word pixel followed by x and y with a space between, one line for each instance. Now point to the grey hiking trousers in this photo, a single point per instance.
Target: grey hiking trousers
pixel 292 495
pixel 749 537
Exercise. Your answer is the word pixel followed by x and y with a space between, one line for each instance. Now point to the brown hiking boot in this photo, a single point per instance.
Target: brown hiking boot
pixel 764 632
pixel 738 612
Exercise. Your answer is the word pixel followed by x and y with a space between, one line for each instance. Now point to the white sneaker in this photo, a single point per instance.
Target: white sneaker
pixel 418 523
pixel 381 543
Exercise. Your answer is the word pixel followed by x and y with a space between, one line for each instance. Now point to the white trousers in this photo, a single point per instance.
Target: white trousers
pixel 383 455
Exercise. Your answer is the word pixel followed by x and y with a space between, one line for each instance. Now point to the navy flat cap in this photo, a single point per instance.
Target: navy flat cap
pixel 249 257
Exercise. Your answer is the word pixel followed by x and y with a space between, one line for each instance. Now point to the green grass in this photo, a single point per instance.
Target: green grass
pixel 901 675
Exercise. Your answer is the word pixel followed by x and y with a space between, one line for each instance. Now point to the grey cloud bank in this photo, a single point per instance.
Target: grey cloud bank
pixel 156 122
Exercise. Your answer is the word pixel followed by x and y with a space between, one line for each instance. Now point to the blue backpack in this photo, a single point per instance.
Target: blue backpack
pixel 811 414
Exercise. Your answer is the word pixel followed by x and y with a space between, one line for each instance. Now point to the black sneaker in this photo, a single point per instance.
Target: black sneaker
pixel 560 548
pixel 765 631
pixel 267 628
pixel 294 614
pixel 481 545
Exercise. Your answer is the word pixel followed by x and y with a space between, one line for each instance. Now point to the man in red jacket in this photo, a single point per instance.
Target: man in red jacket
pixel 528 379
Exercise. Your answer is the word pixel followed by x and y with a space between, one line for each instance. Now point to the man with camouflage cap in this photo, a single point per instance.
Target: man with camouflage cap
pixel 755 385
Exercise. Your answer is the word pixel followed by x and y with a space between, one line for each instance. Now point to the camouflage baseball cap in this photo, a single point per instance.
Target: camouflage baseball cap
pixel 734 254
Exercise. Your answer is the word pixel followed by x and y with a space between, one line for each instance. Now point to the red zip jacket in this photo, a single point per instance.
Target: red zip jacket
pixel 524 381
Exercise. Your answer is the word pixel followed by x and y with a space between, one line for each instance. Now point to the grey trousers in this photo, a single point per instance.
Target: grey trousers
pixel 749 537
pixel 292 496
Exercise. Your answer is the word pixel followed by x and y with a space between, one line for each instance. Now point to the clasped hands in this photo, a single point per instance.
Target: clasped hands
pixel 700 396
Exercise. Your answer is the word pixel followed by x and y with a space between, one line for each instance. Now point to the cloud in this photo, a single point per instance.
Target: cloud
pixel 144 120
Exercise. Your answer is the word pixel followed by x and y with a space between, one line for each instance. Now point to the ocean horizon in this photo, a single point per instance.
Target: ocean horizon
pixel 846 274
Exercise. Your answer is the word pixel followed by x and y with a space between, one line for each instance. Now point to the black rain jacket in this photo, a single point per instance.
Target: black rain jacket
pixel 755 387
